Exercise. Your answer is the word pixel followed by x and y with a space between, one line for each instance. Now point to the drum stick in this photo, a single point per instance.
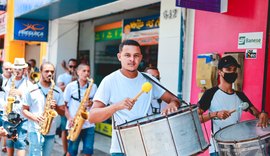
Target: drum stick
pixel 242 106
pixel 146 87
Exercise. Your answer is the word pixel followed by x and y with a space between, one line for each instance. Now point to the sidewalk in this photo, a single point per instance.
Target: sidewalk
pixel 101 146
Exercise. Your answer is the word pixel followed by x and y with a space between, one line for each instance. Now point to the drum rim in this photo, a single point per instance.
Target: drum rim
pixel 121 126
pixel 219 141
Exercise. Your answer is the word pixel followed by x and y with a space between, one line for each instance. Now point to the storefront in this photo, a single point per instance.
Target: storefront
pixel 225 33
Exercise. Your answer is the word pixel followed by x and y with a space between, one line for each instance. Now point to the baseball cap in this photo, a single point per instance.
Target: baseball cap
pixel 227 61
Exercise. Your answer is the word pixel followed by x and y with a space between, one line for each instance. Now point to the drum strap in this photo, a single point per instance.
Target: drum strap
pixel 149 78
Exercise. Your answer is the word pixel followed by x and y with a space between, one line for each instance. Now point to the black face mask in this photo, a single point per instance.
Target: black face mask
pixel 230 77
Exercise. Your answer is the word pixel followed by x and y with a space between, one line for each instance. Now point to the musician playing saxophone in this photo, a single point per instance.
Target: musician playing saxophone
pixel 34 108
pixel 74 99
pixel 16 91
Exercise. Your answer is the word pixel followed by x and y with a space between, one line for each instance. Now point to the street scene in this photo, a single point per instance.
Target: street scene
pixel 134 78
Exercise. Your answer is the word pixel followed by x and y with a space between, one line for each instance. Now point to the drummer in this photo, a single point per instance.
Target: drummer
pixel 224 103
pixel 115 94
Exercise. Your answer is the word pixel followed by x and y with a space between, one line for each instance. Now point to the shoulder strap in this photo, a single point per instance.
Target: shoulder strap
pixel 149 78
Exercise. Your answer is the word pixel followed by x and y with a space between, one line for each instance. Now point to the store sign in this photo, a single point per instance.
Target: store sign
pixel 3 5
pixel 107 35
pixel 207 5
pixel 31 30
pixel 250 40
pixel 144 30
pixel 3 19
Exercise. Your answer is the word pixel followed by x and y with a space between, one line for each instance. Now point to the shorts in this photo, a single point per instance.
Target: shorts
pixel 63 123
pixel 22 135
pixel 87 136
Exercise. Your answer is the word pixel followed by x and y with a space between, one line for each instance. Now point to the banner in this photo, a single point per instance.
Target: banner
pixel 3 20
pixel 31 30
pixel 106 35
pixel 207 5
pixel 145 30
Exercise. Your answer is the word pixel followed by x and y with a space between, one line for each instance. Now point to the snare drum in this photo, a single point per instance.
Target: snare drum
pixel 243 139
pixel 179 133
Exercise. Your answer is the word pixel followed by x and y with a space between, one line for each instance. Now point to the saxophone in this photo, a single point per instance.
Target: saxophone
pixel 49 114
pixel 11 98
pixel 81 115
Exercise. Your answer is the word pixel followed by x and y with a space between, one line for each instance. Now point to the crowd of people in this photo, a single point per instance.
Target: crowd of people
pixel 59 104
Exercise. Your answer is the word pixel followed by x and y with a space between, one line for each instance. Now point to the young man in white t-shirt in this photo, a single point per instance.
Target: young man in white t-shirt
pixel 17 90
pixel 73 96
pixel 115 94
pixel 221 99
pixel 62 81
pixel 33 109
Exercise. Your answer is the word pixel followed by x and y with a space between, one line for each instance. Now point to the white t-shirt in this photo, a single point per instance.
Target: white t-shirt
pixel 71 96
pixel 5 81
pixel 116 87
pixel 2 100
pixel 22 85
pixel 36 100
pixel 216 100
pixel 65 78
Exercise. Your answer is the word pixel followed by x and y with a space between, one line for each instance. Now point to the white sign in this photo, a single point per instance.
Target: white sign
pixel 3 24
pixel 250 40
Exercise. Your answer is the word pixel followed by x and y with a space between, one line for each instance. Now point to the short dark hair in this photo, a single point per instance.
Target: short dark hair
pixel 72 59
pixel 129 42
pixel 82 65
pixel 150 67
pixel 33 60
pixel 45 63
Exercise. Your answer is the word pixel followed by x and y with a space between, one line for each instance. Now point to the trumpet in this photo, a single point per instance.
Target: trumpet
pixel 35 76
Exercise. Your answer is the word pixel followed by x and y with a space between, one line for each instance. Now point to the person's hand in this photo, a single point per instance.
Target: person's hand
pixel 126 104
pixel 224 114
pixel 15 92
pixel 263 120
pixel 39 119
pixel 88 103
pixel 3 132
pixel 170 108
pixel 53 104
pixel 70 122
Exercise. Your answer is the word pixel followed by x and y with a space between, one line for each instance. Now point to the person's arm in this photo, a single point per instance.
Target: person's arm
pixel 172 101
pixel 208 116
pixel 3 132
pixel 262 116
pixel 99 112
pixel 61 85
pixel 31 116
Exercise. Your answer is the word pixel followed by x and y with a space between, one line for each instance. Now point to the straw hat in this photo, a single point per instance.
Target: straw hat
pixel 19 63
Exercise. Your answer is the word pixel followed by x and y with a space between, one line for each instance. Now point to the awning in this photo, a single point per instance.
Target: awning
pixel 58 9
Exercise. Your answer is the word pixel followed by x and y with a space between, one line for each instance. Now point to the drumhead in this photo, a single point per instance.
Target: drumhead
pixel 155 117
pixel 241 132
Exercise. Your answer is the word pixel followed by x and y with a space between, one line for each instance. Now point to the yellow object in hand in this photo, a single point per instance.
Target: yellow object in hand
pixel 146 87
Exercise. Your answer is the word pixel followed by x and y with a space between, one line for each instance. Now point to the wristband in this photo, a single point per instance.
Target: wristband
pixel 216 115
pixel 209 115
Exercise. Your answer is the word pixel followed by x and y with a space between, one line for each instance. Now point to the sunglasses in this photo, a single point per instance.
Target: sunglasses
pixel 72 66
pixel 20 69
pixel 157 77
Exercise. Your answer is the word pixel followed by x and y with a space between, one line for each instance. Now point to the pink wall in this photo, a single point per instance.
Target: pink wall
pixel 216 32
